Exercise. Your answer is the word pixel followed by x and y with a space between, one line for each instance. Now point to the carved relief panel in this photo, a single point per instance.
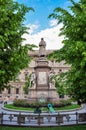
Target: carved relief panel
pixel 42 78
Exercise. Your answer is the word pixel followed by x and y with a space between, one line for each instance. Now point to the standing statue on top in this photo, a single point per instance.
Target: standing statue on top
pixel 42 48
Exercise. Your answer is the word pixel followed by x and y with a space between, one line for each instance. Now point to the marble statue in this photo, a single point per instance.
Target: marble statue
pixel 42 48
pixel 51 79
pixel 33 80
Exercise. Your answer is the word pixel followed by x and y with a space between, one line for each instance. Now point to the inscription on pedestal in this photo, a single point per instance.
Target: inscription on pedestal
pixel 42 78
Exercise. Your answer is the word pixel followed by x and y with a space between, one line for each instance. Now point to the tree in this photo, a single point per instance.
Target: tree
pixel 74 49
pixel 13 55
pixel 27 84
pixel 58 84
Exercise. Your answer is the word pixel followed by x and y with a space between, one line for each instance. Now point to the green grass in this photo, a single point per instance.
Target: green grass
pixel 79 127
pixel 10 106
pixel 73 106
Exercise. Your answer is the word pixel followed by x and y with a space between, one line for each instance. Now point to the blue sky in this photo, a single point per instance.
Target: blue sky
pixel 42 9
pixel 40 25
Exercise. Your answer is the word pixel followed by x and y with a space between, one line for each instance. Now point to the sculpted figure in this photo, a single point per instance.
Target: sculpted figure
pixel 51 79
pixel 42 48
pixel 33 80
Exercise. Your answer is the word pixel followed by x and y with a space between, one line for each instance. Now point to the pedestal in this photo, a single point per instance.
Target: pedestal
pixel 42 92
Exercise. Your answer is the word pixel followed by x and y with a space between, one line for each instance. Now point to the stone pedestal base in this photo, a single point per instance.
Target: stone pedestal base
pixel 40 95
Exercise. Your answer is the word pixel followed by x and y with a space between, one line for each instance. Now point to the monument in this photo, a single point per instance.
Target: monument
pixel 42 86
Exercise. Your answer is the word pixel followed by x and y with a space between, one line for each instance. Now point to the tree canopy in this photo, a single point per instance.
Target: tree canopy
pixel 74 49
pixel 13 55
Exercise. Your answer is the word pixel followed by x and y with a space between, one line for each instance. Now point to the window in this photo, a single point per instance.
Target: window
pixel 61 96
pixel 9 90
pixel 17 90
pixel 25 96
pixel 26 76
pixel 60 70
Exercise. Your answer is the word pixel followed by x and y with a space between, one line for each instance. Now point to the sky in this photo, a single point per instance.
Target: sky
pixel 40 25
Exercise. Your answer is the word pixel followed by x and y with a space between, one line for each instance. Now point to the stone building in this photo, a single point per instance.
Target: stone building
pixel 16 89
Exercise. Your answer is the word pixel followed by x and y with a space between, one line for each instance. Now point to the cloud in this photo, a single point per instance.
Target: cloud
pixel 50 35
pixel 53 22
pixel 33 27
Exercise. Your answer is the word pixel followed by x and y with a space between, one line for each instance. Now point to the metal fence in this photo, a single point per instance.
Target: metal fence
pixel 43 119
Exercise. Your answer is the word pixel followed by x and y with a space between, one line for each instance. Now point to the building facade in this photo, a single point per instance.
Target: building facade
pixel 16 90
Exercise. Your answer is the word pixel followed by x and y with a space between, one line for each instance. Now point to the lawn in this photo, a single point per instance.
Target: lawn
pixel 73 106
pixel 79 127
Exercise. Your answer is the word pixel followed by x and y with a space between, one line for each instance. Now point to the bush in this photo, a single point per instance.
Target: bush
pixel 20 103
pixel 25 103
pixel 62 103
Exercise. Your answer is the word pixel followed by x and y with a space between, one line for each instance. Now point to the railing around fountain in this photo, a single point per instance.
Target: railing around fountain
pixel 43 119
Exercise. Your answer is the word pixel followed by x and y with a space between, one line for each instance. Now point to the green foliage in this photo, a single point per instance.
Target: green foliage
pixel 74 49
pixel 25 103
pixel 27 84
pixel 59 85
pixel 13 55
pixel 21 103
